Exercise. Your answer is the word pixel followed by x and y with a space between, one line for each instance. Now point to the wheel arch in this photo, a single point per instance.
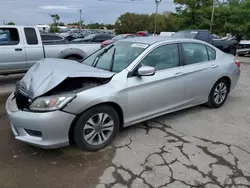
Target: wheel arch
pixel 74 55
pixel 72 52
pixel 227 79
pixel 114 105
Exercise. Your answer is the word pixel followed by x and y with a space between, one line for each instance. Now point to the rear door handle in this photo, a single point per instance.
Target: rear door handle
pixel 214 66
pixel 178 74
pixel 18 49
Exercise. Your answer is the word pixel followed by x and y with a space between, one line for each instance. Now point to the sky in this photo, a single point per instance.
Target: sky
pixel 33 12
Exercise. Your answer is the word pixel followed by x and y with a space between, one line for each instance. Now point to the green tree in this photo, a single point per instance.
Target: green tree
pixel 194 14
pixel 109 26
pixel 131 23
pixel 54 26
pixel 61 24
pixel 166 21
pixel 95 26
pixel 74 23
pixel 55 18
pixel 238 22
pixel 11 23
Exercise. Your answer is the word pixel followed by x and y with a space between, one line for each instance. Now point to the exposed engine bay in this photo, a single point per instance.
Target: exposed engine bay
pixel 77 85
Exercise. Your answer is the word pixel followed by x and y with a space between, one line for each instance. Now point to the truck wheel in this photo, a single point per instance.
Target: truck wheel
pixel 96 128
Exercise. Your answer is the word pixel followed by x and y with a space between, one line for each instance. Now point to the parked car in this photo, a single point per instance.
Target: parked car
pixel 94 38
pixel 25 47
pixel 50 38
pixel 59 102
pixel 243 48
pixel 143 33
pixel 118 37
pixel 228 45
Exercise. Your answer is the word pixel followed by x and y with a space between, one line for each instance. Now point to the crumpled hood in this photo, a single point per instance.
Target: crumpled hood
pixel 48 73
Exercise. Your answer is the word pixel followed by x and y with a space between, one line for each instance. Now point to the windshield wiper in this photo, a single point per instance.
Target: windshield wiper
pixel 100 54
pixel 112 60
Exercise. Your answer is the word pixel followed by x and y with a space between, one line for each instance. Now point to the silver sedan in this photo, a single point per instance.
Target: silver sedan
pixel 62 102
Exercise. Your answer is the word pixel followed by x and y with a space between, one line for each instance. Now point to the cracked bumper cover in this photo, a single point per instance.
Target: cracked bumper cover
pixel 54 126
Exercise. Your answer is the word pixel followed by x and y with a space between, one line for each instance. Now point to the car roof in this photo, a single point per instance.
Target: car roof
pixel 154 39
pixel 102 34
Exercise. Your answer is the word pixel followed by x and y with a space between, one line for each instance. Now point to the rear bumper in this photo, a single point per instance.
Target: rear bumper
pixel 46 130
pixel 235 79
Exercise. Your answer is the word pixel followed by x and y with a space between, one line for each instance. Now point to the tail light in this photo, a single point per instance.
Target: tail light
pixel 237 63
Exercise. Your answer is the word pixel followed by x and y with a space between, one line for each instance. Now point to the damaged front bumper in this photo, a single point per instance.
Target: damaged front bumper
pixel 46 130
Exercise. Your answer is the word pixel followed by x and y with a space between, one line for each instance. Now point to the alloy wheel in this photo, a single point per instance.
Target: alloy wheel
pixel 220 93
pixel 98 129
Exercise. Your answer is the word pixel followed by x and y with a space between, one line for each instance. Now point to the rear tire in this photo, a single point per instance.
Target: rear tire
pixel 96 128
pixel 218 94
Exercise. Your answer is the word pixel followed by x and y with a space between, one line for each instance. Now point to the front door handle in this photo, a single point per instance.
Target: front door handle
pixel 178 74
pixel 18 49
pixel 214 66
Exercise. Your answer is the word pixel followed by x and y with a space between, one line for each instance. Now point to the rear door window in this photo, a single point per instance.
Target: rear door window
pixel 195 53
pixel 9 36
pixel 163 57
pixel 31 37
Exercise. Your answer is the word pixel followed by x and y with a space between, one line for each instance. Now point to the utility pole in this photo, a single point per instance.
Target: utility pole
pixel 157 2
pixel 80 23
pixel 212 16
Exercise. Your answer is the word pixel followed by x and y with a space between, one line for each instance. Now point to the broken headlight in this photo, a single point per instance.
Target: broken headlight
pixel 51 103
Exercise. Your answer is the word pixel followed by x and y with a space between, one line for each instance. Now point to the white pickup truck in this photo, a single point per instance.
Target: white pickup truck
pixel 21 47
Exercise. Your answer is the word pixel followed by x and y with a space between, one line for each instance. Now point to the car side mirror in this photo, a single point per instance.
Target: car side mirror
pixel 146 71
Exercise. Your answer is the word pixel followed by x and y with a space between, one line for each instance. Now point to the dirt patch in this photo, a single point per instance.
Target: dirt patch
pixel 22 165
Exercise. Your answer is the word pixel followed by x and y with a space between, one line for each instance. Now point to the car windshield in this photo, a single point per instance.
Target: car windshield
pixel 78 40
pixel 117 56
pixel 185 34
pixel 89 36
pixel 118 37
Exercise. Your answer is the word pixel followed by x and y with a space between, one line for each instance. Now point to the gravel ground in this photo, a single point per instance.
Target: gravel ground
pixel 24 166
pixel 197 147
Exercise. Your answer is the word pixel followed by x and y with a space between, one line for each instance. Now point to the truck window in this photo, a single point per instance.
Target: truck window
pixel 31 37
pixel 51 38
pixel 9 36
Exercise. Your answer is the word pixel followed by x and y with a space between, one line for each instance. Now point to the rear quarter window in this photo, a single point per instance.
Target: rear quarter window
pixel 211 53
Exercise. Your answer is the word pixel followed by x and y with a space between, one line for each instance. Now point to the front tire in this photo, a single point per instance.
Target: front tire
pixel 96 128
pixel 218 94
